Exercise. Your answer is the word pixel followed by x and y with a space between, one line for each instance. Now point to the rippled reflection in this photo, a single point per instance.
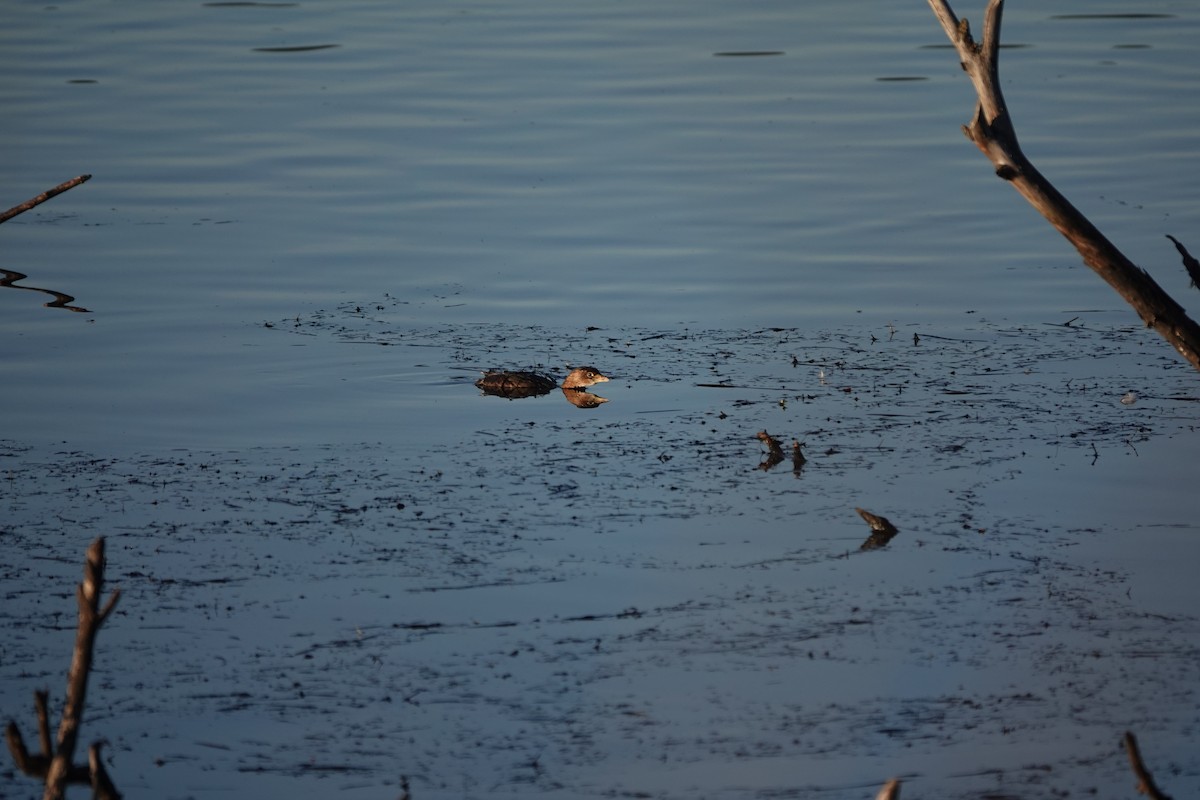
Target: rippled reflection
pixel 60 300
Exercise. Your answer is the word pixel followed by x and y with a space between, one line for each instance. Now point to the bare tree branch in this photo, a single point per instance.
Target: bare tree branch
pixel 992 132
pixel 56 766
pixel 90 619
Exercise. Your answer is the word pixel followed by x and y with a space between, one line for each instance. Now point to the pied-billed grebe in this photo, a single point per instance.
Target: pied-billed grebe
pixel 532 384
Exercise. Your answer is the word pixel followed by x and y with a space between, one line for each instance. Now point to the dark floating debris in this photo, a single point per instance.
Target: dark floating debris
pixel 748 53
pixel 775 455
pixel 774 450
pixel 901 78
pixel 304 48
pixel 882 530
pixel 798 459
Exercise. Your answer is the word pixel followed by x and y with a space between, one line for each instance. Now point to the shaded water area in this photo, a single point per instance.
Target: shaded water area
pixel 566 602
pixel 311 228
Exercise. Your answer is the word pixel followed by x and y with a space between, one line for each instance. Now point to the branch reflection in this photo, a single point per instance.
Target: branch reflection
pixel 61 300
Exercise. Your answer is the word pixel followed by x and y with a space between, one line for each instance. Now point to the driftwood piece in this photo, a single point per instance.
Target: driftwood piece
pixel 56 765
pixel 1146 784
pixel 43 197
pixel 992 132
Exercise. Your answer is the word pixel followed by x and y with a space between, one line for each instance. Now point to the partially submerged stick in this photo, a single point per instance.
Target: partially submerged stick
pixel 890 790
pixel 992 132
pixel 43 197
pixel 56 765
pixel 1146 784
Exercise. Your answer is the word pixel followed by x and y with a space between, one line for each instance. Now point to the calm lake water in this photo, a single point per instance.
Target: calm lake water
pixel 276 184
pixel 566 164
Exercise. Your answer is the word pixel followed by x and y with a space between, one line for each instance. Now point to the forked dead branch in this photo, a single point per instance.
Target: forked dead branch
pixel 992 132
pixel 55 765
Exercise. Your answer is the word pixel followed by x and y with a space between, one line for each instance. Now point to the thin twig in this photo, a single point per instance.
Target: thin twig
pixel 1189 262
pixel 1146 783
pixel 43 197
pixel 890 790
pixel 41 699
pixel 102 785
pixel 18 750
